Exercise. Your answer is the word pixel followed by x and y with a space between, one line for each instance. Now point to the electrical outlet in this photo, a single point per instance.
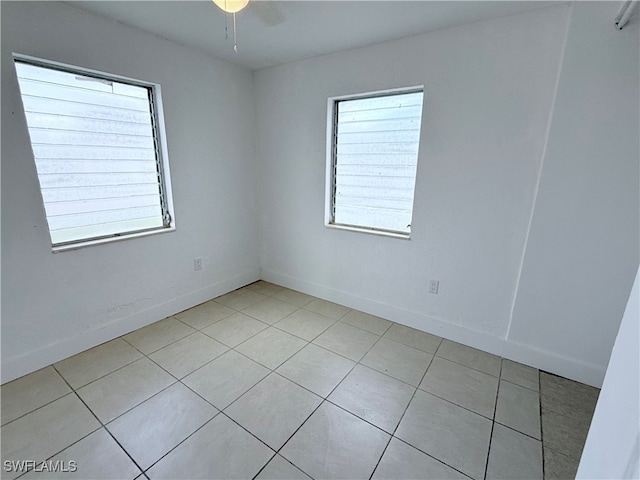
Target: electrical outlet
pixel 197 264
pixel 434 285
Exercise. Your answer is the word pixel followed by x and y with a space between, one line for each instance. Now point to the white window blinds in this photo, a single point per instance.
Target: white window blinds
pixel 374 161
pixel 96 151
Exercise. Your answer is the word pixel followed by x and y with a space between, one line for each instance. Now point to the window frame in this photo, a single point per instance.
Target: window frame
pixel 331 160
pixel 156 111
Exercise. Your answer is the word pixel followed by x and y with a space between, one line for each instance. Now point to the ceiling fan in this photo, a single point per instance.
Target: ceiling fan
pixel 265 10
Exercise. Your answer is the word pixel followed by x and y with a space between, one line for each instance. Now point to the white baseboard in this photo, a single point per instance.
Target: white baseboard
pixel 553 363
pixel 16 367
pixel 541 359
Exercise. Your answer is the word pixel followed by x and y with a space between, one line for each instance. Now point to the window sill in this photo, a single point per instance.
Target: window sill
pixel 382 233
pixel 90 243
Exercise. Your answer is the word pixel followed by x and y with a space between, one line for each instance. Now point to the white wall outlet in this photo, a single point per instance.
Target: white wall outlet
pixel 197 264
pixel 434 285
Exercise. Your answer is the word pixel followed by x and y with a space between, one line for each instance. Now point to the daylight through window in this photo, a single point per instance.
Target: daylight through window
pixel 97 151
pixel 374 159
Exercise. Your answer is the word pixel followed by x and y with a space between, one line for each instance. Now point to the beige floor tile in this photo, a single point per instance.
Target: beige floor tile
pixel 374 397
pixel 46 431
pixel 204 314
pixel 32 391
pixel 348 341
pixel 270 310
pixel 367 322
pixel 187 355
pixel 305 324
pixel 335 444
pixel 413 338
pixel 96 456
pixel 403 462
pixel 273 409
pixel 226 378
pixel 328 309
pixel 123 389
pixel 520 374
pixel 294 297
pixel 449 433
pixel 158 335
pixel 265 288
pixel 271 347
pixel 219 450
pixel 397 360
pixel 514 456
pixel 518 408
pixel 461 385
pixel 280 469
pixel 157 425
pixel 470 357
pixel 316 369
pixel 234 329
pixel 97 362
pixel 239 300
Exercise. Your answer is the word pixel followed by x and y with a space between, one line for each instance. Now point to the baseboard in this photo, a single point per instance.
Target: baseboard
pixel 541 359
pixel 16 367
pixel 557 364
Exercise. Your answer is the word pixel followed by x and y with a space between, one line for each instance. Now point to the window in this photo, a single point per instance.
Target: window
pixel 98 152
pixel 374 155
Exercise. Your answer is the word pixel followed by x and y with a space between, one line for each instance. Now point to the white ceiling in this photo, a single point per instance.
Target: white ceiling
pixel 274 32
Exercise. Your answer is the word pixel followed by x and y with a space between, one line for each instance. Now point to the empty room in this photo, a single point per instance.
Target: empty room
pixel 320 239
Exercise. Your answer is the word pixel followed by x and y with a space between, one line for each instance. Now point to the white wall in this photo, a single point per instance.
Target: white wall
pixel 612 449
pixel 55 305
pixel 583 248
pixel 544 286
pixel 489 89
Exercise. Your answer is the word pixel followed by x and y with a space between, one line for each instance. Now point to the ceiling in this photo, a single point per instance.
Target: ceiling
pixel 275 32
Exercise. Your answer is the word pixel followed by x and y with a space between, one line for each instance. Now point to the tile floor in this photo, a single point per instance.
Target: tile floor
pixel 270 383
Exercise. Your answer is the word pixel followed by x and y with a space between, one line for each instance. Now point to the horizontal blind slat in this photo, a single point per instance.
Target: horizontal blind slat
pixel 389 101
pixel 367 138
pixel 101 205
pixel 380 114
pixel 72 234
pixel 368 170
pixel 100 192
pixel 390 124
pixel 62 137
pixel 58 77
pixel 78 95
pixel 72 166
pixel 97 218
pixel 82 110
pixel 379 219
pixel 96 179
pixel 90 125
pixel 376 148
pixel 78 152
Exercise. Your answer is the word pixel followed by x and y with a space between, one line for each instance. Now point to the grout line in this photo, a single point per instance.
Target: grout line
pixel 544 476
pixel 493 424
pixel 102 425
pixel 179 443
